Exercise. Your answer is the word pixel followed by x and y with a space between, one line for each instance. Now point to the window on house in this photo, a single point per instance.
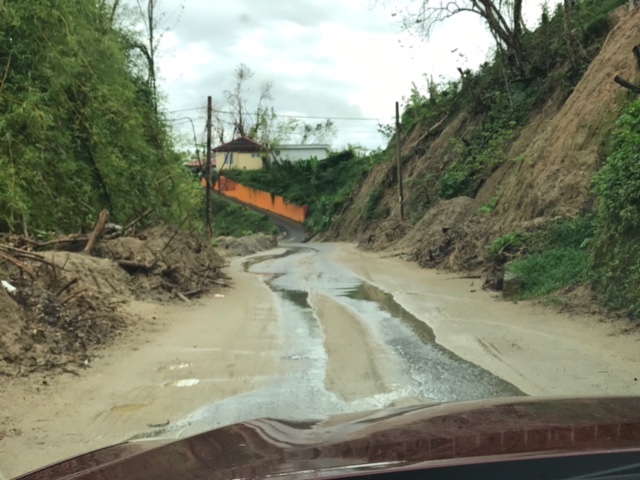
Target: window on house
pixel 255 155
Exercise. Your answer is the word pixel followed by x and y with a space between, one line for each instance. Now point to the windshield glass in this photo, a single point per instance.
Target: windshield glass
pixel 219 211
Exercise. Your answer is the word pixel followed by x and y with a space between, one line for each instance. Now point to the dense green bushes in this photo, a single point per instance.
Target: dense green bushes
pixel 616 249
pixel 78 131
pixel 552 258
pixel 322 185
pixel 231 219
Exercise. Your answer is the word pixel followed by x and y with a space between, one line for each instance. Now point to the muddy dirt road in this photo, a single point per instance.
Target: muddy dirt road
pixel 308 331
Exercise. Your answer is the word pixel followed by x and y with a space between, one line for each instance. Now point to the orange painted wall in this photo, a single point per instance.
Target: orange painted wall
pixel 260 199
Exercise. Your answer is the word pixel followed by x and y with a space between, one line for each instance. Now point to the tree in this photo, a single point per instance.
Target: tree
pixel 237 98
pixel 76 123
pixel 255 117
pixel 270 131
pixel 503 18
pixel 319 133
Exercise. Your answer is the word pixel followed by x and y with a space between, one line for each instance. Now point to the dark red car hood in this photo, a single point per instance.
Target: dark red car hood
pixel 403 438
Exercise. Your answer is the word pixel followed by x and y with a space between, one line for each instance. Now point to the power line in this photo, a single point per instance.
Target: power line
pixel 318 117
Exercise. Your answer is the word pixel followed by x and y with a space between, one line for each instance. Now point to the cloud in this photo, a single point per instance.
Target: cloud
pixel 333 58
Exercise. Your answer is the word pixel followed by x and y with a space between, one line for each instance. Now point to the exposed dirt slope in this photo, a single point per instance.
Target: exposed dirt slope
pixel 555 177
pixel 553 160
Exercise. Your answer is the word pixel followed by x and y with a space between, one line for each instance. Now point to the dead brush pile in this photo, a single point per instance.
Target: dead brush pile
pixel 61 298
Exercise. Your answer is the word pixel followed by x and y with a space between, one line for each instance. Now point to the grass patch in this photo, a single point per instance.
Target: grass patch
pixel 543 273
pixel 323 185
pixel 553 258
pixel 232 220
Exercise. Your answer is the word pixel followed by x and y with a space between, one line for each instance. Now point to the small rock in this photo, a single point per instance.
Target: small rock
pixel 512 284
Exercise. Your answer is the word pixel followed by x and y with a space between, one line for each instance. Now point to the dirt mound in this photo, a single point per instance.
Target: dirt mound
pixel 98 274
pixel 233 246
pixel 433 238
pixel 165 260
pixel 53 320
pixel 64 304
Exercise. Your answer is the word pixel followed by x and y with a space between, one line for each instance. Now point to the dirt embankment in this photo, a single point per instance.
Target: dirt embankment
pixel 551 164
pixel 59 306
pixel 243 246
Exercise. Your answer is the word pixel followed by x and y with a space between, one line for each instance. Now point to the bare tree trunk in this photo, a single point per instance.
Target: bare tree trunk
pixel 576 51
pixel 114 9
pixel 152 54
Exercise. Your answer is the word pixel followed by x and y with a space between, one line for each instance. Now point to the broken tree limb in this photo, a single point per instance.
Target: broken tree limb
pixel 182 297
pixel 176 232
pixel 626 84
pixel 73 295
pixel 19 253
pixel 131 265
pixel 97 231
pixel 77 238
pixel 133 223
pixel 67 285
pixel 18 263
pixel 191 293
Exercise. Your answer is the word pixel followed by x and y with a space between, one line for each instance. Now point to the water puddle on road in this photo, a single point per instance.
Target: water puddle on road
pixel 368 292
pixel 423 370
pixel 247 264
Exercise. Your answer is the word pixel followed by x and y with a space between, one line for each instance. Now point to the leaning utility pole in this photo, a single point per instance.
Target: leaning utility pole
pixel 398 161
pixel 208 170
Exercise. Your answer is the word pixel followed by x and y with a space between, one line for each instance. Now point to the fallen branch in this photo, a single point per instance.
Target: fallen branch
pixel 79 237
pixel 131 265
pixel 182 297
pixel 74 295
pixel 626 84
pixel 176 232
pixel 192 293
pixel 97 231
pixel 67 286
pixel 132 223
pixel 18 252
pixel 18 263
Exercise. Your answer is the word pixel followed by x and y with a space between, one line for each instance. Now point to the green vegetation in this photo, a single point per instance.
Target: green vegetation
pixel 511 242
pixel 491 205
pixel 231 219
pixel 553 258
pixel 79 127
pixel 501 95
pixel 322 185
pixel 371 207
pixel 616 249
pixel 545 272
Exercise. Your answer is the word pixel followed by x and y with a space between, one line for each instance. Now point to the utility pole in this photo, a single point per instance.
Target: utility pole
pixel 398 162
pixel 208 170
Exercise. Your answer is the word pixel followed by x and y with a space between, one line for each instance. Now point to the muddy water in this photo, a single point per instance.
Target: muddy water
pixel 424 371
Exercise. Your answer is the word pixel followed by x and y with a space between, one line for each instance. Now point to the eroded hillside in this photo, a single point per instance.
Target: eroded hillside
pixel 535 170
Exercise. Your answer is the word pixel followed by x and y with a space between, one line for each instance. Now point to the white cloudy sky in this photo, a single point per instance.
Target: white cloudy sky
pixel 326 58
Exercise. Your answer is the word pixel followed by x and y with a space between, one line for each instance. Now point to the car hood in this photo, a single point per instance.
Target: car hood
pixel 398 438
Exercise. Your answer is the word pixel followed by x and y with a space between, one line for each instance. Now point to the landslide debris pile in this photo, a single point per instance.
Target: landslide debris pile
pixel 59 303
